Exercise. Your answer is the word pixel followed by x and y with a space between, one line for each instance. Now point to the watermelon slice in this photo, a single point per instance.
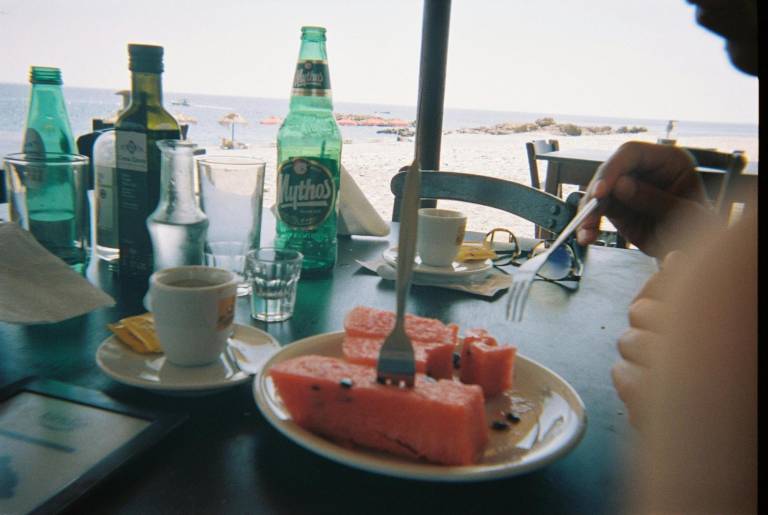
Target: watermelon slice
pixel 439 421
pixel 433 359
pixel 479 335
pixel 489 365
pixel 376 323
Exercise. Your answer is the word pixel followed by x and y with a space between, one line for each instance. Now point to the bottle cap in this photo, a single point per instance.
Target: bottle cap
pixel 45 75
pixel 313 32
pixel 145 58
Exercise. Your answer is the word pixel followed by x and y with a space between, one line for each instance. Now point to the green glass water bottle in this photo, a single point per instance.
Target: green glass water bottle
pixel 55 206
pixel 309 157
pixel 47 130
pixel 137 158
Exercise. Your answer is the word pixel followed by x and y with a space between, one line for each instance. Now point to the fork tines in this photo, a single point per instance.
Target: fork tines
pixel 396 364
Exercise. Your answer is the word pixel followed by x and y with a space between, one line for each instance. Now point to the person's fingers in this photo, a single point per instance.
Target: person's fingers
pixel 674 262
pixel 638 346
pixel 644 198
pixel 631 382
pixel 646 313
pixel 653 287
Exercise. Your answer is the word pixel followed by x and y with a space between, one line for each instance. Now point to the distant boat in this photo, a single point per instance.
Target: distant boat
pixel 182 102
pixel 271 120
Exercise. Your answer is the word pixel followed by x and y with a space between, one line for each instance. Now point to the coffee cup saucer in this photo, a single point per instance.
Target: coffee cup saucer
pixel 249 348
pixel 455 269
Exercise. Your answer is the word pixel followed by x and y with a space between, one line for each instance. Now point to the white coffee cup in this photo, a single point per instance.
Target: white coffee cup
pixel 194 309
pixel 440 234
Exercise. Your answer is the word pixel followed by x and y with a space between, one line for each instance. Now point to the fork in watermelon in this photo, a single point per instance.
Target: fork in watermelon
pixel 396 361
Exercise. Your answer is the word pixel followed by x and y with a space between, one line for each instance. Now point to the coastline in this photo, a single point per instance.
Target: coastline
pixel 372 163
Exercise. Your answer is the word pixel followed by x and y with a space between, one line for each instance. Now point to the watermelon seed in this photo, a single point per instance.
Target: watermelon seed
pixel 499 425
pixel 512 417
pixel 456 360
pixel 346 383
pixel 315 387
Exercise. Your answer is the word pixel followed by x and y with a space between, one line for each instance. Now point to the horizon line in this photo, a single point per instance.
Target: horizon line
pixel 286 99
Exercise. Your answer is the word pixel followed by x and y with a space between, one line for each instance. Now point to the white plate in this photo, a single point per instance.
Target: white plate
pixel 457 269
pixel 252 347
pixel 552 422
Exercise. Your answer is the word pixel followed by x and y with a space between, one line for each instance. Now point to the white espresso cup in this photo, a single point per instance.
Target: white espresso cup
pixel 440 234
pixel 194 308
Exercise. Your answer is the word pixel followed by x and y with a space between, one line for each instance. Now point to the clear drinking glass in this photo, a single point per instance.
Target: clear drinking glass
pixel 47 197
pixel 273 274
pixel 229 255
pixel 231 194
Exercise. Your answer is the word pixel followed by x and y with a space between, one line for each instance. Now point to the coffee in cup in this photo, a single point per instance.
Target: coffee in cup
pixel 194 308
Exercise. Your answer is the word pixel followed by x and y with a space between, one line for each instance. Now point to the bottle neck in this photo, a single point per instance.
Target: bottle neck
pixel 47 128
pixel 146 88
pixel 177 194
pixel 312 81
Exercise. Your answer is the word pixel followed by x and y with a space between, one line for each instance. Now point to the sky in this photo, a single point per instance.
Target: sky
pixel 620 58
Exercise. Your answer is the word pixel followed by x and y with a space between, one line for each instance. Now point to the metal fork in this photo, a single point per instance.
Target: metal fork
pixel 396 363
pixel 523 277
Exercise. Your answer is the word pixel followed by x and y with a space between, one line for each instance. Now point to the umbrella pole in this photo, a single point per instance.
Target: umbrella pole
pixel 233 134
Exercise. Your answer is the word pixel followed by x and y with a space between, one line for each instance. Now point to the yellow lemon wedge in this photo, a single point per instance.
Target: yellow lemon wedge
pixel 139 328
pixel 474 252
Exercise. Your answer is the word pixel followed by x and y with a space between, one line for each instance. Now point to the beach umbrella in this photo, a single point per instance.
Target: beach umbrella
pixel 271 120
pixel 233 119
pixel 185 118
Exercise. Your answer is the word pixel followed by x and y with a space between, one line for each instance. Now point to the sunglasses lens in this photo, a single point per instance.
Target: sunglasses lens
pixel 559 264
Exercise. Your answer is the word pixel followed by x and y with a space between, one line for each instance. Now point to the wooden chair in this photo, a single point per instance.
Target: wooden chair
pixel 533 148
pixel 721 175
pixel 529 203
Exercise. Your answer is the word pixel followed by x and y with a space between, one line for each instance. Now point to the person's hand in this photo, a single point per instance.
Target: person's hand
pixel 649 316
pixel 649 192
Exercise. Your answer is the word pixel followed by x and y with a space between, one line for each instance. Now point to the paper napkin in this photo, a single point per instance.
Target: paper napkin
pixel 37 287
pixel 486 284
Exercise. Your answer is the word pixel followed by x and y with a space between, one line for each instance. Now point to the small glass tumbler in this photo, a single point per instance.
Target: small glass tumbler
pixel 274 275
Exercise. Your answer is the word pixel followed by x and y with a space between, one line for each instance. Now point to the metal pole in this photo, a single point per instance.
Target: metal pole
pixel 434 54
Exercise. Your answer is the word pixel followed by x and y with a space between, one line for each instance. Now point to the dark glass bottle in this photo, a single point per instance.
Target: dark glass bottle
pixel 309 157
pixel 138 129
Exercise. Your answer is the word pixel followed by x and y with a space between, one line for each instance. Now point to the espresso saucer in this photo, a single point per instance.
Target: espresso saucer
pixel 455 269
pixel 249 348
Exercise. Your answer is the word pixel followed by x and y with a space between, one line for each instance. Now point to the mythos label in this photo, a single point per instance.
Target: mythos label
pixel 306 193
pixel 312 79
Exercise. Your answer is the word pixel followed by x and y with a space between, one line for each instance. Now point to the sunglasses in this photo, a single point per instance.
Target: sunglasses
pixel 563 266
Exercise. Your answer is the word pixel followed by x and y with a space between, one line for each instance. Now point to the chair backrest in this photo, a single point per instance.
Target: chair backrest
pixel 539 146
pixel 529 203
pixel 720 173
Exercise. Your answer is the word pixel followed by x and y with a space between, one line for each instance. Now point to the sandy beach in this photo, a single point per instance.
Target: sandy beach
pixel 373 163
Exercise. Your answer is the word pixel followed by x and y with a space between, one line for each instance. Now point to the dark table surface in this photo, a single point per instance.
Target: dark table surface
pixel 227 458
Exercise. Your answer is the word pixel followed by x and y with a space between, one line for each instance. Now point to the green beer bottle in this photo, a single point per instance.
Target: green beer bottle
pixel 308 160
pixel 48 130
pixel 137 158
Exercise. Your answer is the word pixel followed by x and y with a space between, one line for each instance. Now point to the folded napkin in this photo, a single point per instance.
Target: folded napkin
pixel 486 284
pixel 37 287
pixel 356 214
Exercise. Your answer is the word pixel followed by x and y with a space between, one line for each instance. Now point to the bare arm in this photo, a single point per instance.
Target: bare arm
pixel 700 448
